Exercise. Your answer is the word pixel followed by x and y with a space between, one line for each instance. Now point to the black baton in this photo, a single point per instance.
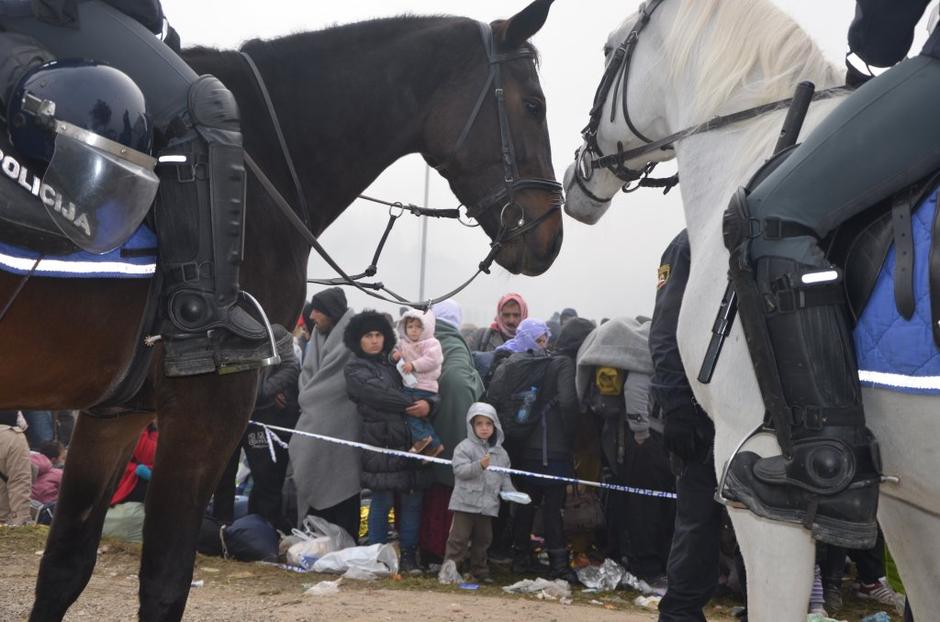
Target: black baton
pixel 721 328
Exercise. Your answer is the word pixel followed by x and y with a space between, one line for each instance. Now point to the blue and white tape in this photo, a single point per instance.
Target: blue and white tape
pixel 646 492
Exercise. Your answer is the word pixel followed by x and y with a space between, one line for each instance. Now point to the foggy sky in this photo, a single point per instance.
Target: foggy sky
pixel 602 271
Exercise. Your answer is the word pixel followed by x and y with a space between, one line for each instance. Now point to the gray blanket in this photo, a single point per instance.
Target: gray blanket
pixel 622 343
pixel 325 473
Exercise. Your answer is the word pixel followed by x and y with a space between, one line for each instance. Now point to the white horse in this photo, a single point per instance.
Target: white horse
pixel 694 60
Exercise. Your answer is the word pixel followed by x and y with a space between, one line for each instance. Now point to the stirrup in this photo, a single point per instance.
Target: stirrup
pixel 274 359
pixel 719 492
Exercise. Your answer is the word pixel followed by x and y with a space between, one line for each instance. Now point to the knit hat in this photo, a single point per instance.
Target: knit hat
pixel 330 302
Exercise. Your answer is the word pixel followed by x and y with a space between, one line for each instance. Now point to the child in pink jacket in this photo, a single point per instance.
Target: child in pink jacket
pixel 420 356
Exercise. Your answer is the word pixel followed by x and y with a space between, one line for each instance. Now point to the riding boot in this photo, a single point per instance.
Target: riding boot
pixel 797 330
pixel 559 566
pixel 200 225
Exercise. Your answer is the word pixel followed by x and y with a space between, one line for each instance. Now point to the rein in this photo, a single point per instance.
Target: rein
pixel 512 184
pixel 616 76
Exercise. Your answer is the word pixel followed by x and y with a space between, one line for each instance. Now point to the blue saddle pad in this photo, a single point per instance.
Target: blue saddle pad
pixel 136 259
pixel 894 353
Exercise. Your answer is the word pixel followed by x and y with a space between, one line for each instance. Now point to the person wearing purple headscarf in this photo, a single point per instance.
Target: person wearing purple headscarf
pixel 532 335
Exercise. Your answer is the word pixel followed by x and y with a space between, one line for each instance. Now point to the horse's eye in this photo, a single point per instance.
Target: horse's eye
pixel 535 108
pixel 607 50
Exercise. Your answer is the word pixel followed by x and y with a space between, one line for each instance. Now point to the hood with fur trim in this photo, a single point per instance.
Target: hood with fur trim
pixel 365 322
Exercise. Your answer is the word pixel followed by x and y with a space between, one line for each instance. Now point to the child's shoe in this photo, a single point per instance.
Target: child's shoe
pixel 435 451
pixel 420 445
pixel 881 592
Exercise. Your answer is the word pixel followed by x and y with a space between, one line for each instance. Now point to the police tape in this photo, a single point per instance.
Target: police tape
pixel 646 492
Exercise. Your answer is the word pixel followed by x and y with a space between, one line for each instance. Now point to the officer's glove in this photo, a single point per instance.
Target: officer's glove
pixel 688 433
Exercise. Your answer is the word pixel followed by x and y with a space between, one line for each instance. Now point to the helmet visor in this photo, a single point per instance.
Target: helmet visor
pixel 97 192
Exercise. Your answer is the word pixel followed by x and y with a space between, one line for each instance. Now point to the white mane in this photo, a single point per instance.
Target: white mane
pixel 734 54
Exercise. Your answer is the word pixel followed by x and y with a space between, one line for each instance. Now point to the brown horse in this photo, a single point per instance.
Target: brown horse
pixel 351 100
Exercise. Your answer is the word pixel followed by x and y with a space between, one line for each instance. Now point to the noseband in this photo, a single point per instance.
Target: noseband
pixel 505 196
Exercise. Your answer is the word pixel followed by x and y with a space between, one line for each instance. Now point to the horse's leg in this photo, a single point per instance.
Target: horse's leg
pixel 200 420
pixel 778 557
pixel 913 537
pixel 98 451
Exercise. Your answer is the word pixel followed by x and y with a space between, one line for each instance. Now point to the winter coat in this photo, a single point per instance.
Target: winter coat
pixel 486 339
pixel 65 12
pixel 325 473
pixel 280 378
pixel 425 354
pixel 144 453
pixel 476 490
pixel 460 386
pixel 374 385
pixel 48 479
pixel 882 32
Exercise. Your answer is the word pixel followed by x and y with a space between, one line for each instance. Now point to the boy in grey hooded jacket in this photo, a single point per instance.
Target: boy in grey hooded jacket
pixel 475 499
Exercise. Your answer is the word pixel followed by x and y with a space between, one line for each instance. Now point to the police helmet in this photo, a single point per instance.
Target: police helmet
pixel 89 94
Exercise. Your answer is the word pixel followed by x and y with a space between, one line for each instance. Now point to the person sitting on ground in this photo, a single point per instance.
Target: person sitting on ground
pixel 374 384
pixel 15 475
pixel 421 359
pixel 475 500
pixel 48 477
pixel 510 311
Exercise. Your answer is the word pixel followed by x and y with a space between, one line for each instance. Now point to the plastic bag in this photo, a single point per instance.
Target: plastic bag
pixel 515 497
pixel 305 553
pixel 323 588
pixel 407 379
pixel 558 588
pixel 379 559
pixel 318 538
pixel 604 578
pixel 448 574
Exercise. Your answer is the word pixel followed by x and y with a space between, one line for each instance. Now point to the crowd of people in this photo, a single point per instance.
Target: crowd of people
pixel 562 397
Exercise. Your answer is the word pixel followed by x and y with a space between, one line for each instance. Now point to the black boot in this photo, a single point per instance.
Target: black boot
pixel 797 330
pixel 200 224
pixel 408 564
pixel 523 562
pixel 560 566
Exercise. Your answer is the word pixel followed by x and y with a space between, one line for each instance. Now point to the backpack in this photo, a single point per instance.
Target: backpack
pixel 510 383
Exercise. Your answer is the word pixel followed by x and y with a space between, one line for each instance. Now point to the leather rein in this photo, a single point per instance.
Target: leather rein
pixel 504 196
pixel 590 157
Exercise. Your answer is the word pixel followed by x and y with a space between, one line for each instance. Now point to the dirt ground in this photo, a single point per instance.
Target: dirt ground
pixel 256 592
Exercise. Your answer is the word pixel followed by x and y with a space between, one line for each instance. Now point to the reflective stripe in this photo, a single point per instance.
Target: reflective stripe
pixel 811 278
pixel 77 267
pixel 900 380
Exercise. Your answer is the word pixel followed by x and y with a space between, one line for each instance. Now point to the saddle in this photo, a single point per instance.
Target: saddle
pixel 860 245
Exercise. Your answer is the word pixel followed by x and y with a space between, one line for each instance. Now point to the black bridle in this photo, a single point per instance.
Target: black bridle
pixel 590 157
pixel 504 197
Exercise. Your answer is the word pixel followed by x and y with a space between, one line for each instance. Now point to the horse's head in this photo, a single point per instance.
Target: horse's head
pixel 622 119
pixel 487 135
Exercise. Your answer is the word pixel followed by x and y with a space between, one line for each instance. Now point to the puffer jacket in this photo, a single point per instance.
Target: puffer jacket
pixel 48 479
pixel 374 384
pixel 476 490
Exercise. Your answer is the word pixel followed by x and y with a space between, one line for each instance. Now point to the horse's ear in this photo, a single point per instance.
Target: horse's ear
pixel 521 26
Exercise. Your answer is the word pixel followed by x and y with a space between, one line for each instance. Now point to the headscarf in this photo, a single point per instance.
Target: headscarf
pixel 528 331
pixel 498 321
pixel 449 311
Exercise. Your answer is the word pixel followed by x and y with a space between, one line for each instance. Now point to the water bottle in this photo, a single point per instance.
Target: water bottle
pixel 528 401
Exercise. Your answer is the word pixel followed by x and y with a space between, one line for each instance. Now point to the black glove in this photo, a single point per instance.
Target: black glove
pixel 853 77
pixel 688 433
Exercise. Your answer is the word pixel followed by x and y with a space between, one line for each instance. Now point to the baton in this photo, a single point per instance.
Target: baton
pixel 728 309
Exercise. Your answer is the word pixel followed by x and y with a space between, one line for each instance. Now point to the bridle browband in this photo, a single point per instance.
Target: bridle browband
pixel 616 75
pixel 505 196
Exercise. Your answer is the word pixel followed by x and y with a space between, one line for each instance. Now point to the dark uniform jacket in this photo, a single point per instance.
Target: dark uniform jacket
pixel 883 30
pixel 65 12
pixel 374 385
pixel 669 385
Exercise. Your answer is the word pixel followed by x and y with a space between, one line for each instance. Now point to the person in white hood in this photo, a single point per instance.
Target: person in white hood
pixel 477 487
